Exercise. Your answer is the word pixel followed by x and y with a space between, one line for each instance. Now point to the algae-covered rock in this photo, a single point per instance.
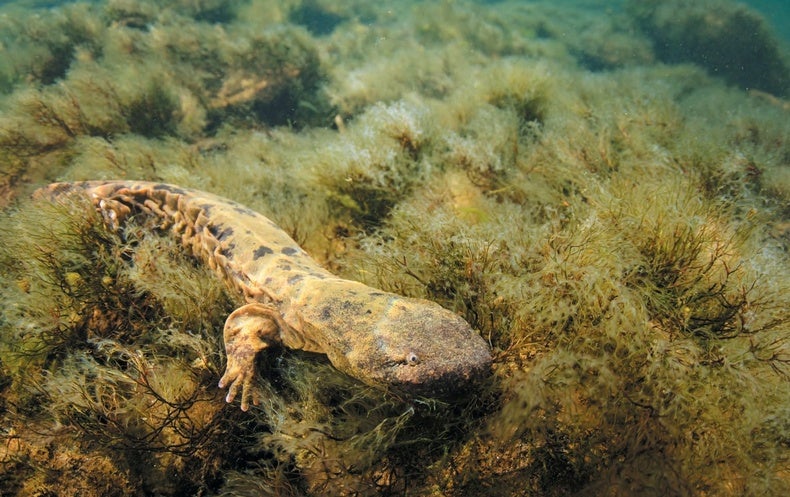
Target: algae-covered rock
pixel 32 465
pixel 127 68
pixel 728 39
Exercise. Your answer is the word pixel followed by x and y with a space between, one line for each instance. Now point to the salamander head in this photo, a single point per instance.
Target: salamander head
pixel 420 348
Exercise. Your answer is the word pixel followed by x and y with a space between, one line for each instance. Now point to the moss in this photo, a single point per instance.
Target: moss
pixel 138 14
pixel 329 434
pixel 569 287
pixel 150 114
pixel 155 84
pixel 46 283
pixel 42 127
pixel 33 467
pixel 606 46
pixel 42 48
pixel 374 162
pixel 87 314
pixel 600 325
pixel 275 74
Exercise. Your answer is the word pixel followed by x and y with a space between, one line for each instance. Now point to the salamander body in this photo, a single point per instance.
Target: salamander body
pixel 380 338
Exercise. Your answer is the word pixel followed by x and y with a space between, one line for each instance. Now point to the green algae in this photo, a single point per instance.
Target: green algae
pixel 616 229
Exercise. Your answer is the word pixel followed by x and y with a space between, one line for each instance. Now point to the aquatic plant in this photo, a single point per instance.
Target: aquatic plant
pixel 72 344
pixel 118 77
pixel 42 48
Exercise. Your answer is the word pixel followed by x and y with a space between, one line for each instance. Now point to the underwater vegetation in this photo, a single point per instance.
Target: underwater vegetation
pixel 610 214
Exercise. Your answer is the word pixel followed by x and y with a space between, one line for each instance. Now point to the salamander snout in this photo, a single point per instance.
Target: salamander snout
pixel 425 349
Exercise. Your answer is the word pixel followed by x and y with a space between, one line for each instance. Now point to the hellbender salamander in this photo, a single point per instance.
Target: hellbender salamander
pixel 380 338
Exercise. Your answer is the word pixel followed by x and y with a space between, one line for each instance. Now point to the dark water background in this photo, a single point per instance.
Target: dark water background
pixel 777 12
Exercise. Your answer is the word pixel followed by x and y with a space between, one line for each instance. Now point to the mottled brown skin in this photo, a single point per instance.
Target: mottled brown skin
pixel 380 338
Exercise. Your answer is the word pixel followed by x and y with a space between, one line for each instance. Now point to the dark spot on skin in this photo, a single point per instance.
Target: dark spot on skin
pixel 267 281
pixel 284 266
pixel 295 279
pixel 168 188
pixel 207 209
pixel 241 209
pixel 306 269
pixel 228 251
pixel 326 313
pixel 289 251
pixel 244 210
pixel 225 234
pixel 261 251
pixel 375 294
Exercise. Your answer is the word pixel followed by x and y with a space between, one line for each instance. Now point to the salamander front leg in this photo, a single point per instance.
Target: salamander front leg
pixel 248 330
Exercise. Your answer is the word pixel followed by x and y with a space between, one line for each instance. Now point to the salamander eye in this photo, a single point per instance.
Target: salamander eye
pixel 412 359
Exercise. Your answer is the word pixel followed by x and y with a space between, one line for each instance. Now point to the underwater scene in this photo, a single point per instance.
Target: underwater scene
pixel 596 193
